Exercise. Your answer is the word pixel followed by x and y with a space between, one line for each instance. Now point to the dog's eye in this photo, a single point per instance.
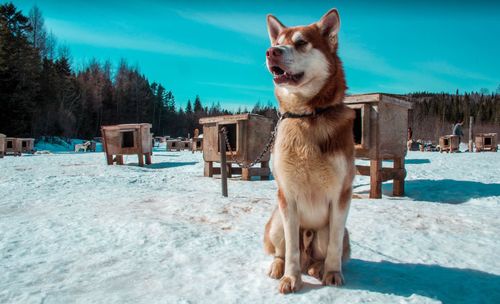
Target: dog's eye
pixel 299 43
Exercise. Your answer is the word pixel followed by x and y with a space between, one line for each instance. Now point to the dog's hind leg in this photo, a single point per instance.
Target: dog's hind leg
pixel 274 243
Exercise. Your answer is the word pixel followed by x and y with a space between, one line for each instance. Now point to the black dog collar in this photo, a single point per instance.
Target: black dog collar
pixel 315 113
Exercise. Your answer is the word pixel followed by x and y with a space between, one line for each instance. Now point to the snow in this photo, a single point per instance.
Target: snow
pixel 74 230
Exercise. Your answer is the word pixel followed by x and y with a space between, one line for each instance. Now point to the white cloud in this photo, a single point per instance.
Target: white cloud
pixel 70 32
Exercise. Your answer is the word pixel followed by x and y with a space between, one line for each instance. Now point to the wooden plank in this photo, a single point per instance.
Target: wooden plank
pixel 208 169
pixel 223 164
pixel 362 98
pixel 375 181
pixel 396 101
pixel 363 170
pixel 224 118
pixel 398 186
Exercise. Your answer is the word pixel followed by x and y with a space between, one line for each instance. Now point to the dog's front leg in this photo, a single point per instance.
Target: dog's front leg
pixel 291 281
pixel 333 263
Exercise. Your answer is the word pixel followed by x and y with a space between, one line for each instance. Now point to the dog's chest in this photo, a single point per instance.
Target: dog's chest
pixel 305 174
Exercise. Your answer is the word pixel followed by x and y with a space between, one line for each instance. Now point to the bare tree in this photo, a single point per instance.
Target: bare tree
pixel 38 34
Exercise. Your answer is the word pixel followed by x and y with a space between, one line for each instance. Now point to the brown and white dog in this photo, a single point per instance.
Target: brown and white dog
pixel 313 154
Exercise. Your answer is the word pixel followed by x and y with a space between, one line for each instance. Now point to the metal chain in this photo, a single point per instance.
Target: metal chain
pixel 267 148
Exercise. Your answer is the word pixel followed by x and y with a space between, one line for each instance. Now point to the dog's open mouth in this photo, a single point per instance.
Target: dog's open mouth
pixel 281 76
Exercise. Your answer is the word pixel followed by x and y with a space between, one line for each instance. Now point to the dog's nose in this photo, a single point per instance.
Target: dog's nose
pixel 274 52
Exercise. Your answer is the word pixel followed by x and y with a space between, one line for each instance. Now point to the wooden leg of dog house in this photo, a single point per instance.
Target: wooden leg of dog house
pixel 398 186
pixel 109 159
pixel 229 170
pixel 264 164
pixel 375 178
pixel 119 159
pixel 208 169
pixel 148 159
pixel 141 159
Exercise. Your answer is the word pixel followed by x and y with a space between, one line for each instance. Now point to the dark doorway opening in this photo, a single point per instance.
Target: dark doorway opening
pixel 231 136
pixel 358 127
pixel 128 139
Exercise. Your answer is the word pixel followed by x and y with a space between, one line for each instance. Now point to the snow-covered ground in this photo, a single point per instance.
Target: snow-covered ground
pixel 74 230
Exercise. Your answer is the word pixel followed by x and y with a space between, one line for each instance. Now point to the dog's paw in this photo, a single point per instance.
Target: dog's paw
pixel 290 284
pixel 277 268
pixel 333 278
pixel 316 270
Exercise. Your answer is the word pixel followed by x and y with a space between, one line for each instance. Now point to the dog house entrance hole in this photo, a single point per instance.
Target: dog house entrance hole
pixel 174 144
pixel 446 143
pixel 128 139
pixel 9 144
pixel 357 128
pixel 231 136
pixel 198 144
pixel 25 144
pixel 487 141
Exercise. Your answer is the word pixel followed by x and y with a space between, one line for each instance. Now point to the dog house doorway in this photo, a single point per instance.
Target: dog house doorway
pixel 358 127
pixel 128 139
pixel 232 135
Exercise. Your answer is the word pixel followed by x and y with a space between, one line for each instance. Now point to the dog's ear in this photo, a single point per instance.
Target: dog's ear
pixel 329 26
pixel 274 27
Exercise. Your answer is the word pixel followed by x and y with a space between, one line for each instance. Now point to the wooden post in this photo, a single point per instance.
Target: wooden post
pixel 398 185
pixel 264 164
pixel 471 134
pixel 141 159
pixel 148 158
pixel 208 169
pixel 223 164
pixel 375 180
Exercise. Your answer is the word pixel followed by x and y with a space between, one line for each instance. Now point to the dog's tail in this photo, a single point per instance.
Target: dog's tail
pixel 346 247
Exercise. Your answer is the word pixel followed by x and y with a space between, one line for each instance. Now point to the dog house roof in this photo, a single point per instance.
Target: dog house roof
pixel 2 135
pixel 127 126
pixel 229 117
pixel 378 97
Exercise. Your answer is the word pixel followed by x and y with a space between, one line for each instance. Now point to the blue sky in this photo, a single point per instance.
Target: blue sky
pixel 216 49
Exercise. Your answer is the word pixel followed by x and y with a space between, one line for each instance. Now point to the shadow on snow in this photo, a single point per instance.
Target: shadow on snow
pixel 449 285
pixel 447 191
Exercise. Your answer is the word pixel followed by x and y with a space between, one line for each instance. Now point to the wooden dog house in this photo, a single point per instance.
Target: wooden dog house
pixel 486 142
pixel 27 145
pixel 247 135
pixel 449 143
pixel 380 133
pixel 178 145
pixel 2 145
pixel 127 139
pixel 12 146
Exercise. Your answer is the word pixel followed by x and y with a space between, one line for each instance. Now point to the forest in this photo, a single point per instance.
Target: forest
pixel 42 94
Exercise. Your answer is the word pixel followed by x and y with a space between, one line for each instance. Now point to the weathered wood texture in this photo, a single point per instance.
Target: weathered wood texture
pixel 27 145
pixel 486 142
pixel 380 130
pixel 127 139
pixel 449 143
pixel 2 145
pixel 248 135
pixel 13 146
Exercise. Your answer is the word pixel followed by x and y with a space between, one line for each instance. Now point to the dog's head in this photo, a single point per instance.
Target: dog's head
pixel 303 59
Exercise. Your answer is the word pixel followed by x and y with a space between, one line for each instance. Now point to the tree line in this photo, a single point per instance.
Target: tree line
pixel 41 94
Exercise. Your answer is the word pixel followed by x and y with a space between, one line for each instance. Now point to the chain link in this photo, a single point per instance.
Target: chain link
pixel 267 148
